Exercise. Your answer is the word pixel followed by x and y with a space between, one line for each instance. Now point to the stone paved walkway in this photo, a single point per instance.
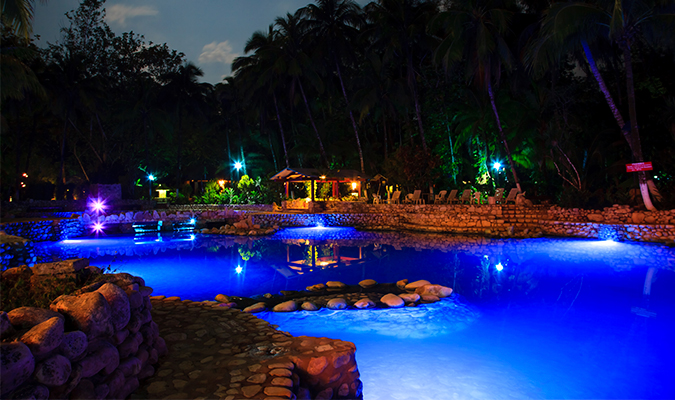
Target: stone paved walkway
pixel 217 352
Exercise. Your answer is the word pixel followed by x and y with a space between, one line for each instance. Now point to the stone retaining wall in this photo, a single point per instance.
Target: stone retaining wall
pixel 97 343
pixel 617 222
pixel 15 251
pixel 45 230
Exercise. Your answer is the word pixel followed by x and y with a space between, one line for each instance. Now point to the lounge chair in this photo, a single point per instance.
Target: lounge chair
pixel 452 197
pixel 440 197
pixel 465 197
pixel 416 197
pixel 499 195
pixel 394 198
pixel 512 196
pixel 476 199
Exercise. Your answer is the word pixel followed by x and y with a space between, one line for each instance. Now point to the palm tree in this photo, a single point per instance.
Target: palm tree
pixel 18 15
pixel 184 93
pixel 331 24
pixel 475 35
pixel 258 72
pixel 295 63
pixel 621 22
pixel 400 29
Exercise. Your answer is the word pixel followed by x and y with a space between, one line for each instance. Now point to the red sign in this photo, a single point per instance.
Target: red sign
pixel 641 166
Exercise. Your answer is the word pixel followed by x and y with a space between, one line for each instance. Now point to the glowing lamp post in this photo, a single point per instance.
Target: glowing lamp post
pixel 497 165
pixel 151 178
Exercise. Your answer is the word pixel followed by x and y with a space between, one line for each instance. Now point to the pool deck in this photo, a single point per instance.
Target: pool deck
pixel 218 352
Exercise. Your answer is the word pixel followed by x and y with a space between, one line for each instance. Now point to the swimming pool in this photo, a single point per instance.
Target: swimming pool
pixel 542 318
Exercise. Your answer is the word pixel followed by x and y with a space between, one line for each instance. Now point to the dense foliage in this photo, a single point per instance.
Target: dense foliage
pixel 425 92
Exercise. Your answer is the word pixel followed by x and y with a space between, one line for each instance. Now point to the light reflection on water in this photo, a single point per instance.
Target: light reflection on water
pixel 562 318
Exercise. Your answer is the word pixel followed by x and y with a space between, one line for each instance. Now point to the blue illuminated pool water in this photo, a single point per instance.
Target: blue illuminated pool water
pixel 536 318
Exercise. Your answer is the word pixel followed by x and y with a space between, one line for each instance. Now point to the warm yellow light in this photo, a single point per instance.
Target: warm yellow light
pixel 353 185
pixel 25 175
pixel 162 193
pixel 322 177
pixel 221 183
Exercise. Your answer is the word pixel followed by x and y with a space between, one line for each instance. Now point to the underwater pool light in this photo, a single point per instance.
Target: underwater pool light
pixel 97 205
pixel 499 267
pixel 98 227
pixel 193 221
pixel 238 269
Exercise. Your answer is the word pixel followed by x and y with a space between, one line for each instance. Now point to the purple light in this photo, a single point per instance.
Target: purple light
pixel 97 205
pixel 98 227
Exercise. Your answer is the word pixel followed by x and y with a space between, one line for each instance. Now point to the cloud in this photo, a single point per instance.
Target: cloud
pixel 119 12
pixel 218 52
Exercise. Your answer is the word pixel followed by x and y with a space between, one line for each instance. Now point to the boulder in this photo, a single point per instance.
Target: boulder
pixel 44 337
pixel 392 300
pixel 221 298
pixel 434 290
pixel 430 298
pixel 414 285
pixel 73 344
pixel 638 217
pixel 409 297
pixel 335 285
pixel 309 306
pixel 53 371
pixel 337 304
pixel 367 283
pixel 89 313
pixel 16 366
pixel 595 218
pixel 103 355
pixel 286 306
pixel 6 328
pixel 364 303
pixel 17 272
pixel 316 288
pixel 61 267
pixel 28 317
pixel 119 304
pixel 256 308
pixel 401 284
pixel 31 392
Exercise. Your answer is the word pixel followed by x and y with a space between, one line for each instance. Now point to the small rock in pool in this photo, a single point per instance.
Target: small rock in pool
pixel 401 284
pixel 414 285
pixel 367 283
pixel 335 285
pixel 309 306
pixel 286 306
pixel 410 297
pixel 392 300
pixel 364 303
pixel 337 304
pixel 316 288
pixel 221 298
pixel 256 308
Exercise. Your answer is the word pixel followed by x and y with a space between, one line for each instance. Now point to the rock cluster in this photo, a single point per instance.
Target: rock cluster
pixel 96 343
pixel 339 296
pixel 245 227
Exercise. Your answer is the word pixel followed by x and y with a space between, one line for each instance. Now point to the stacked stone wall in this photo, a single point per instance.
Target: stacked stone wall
pixel 97 343
pixel 15 251
pixel 45 230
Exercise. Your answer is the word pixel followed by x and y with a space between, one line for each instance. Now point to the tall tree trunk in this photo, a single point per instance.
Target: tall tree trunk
pixel 608 96
pixel 351 115
pixel 316 131
pixel 635 133
pixel 269 138
pixel 281 129
pixel 386 133
pixel 626 130
pixel 501 133
pixel 229 151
